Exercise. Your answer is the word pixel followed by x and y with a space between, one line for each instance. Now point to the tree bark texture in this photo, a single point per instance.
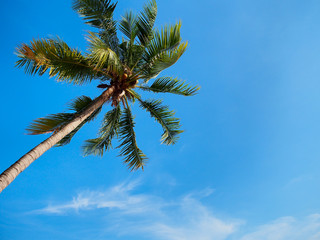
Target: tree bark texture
pixel 15 169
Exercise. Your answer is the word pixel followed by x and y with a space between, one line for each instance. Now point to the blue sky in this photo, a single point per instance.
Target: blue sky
pixel 246 167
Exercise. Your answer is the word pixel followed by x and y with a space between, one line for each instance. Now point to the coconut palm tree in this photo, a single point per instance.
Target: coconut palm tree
pixel 121 69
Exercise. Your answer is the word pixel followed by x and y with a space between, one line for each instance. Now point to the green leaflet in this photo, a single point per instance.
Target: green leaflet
pixel 95 12
pixel 63 62
pixel 171 85
pixel 145 22
pixel 133 156
pixel 54 122
pixel 162 61
pixel 101 55
pixel 165 117
pixel 128 25
pixel 166 39
pixel 109 129
pixel 49 123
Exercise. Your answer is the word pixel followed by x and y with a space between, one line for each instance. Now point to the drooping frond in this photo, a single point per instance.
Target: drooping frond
pixel 145 22
pixel 162 61
pixel 109 129
pixel 99 13
pixel 171 85
pixel 102 56
pixel 79 105
pixel 134 157
pixel 49 123
pixel 54 122
pixel 63 62
pixel 67 139
pixel 96 13
pixel 162 114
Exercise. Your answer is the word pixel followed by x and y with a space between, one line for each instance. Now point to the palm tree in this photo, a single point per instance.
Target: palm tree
pixel 121 69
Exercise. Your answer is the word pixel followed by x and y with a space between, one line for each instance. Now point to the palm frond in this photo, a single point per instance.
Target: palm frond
pixel 134 157
pixel 163 40
pixel 134 55
pixel 109 129
pixel 132 52
pixel 127 25
pixel 80 103
pixel 162 114
pixel 162 61
pixel 101 55
pixel 55 122
pixel 96 13
pixel 171 85
pixel 99 13
pixel 63 62
pixel 132 95
pixel 145 22
pixel 123 52
pixel 67 139
pixel 49 123
pixel 110 37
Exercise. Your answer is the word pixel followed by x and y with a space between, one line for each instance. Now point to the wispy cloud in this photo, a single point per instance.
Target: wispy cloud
pixel 117 197
pixel 192 220
pixel 298 180
pixel 183 218
pixel 284 228
pixel 128 213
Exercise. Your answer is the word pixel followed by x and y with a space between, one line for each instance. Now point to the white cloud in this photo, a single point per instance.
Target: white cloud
pixel 117 197
pixel 288 228
pixel 127 213
pixel 185 218
pixel 298 180
pixel 188 220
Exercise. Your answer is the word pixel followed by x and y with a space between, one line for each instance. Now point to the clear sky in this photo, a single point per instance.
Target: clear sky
pixel 246 167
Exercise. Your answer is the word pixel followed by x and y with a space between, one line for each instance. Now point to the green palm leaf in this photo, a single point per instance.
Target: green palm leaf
pixel 165 117
pixel 164 40
pixel 65 63
pixel 67 139
pixel 131 54
pixel 131 51
pixel 162 61
pixel 134 157
pixel 54 122
pixel 145 22
pixel 96 13
pixel 102 56
pixel 99 13
pixel 171 85
pixel 49 123
pixel 132 95
pixel 108 130
pixel 127 25
pixel 110 37
pixel 78 105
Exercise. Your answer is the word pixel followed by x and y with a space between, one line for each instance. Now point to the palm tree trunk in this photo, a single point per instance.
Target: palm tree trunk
pixel 15 169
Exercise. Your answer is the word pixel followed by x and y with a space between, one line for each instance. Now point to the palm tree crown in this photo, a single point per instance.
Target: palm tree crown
pixel 125 66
